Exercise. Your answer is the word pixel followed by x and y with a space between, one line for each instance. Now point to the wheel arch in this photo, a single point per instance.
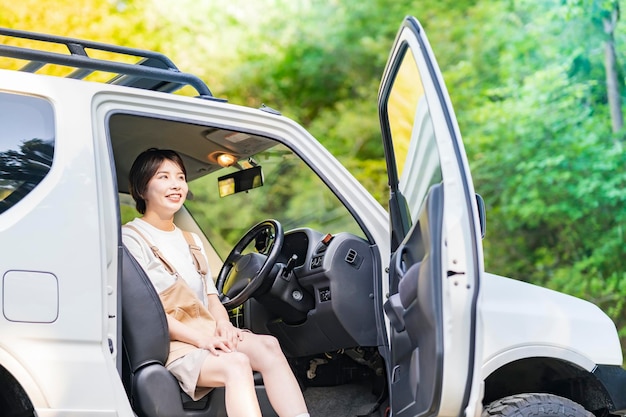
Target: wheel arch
pixel 18 385
pixel 549 375
pixel 14 397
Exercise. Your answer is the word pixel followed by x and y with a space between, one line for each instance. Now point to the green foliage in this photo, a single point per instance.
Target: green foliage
pixel 535 117
pixel 527 80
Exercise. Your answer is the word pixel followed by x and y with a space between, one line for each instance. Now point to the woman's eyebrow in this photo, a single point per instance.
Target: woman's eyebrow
pixel 169 172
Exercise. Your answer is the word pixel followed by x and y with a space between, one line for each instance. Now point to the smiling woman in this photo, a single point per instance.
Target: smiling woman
pixel 206 350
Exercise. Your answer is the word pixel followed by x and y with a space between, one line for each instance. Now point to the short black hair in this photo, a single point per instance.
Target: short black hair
pixel 145 166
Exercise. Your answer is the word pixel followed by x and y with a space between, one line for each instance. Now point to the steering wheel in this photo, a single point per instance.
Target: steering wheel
pixel 242 275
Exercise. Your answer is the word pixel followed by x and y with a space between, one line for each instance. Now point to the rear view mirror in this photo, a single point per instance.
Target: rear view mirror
pixel 239 181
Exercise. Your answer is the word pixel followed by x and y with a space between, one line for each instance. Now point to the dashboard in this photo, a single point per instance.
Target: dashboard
pixel 327 301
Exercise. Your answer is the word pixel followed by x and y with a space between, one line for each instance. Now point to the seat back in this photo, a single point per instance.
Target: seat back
pixel 152 390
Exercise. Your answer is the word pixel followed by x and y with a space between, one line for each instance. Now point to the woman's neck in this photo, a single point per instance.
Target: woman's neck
pixel 165 224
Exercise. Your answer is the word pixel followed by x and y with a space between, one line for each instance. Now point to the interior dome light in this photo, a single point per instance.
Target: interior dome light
pixel 226 159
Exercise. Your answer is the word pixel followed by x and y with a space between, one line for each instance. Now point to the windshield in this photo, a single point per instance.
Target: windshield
pixel 292 194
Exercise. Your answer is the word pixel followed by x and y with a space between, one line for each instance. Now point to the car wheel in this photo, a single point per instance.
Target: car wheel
pixel 534 405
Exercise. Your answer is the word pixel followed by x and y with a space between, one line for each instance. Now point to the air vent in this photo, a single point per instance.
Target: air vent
pixel 351 256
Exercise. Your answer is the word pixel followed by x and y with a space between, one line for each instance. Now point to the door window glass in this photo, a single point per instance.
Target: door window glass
pixel 413 135
pixel 26 145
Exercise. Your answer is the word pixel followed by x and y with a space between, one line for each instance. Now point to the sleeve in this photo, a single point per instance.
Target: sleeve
pixel 135 247
pixel 210 285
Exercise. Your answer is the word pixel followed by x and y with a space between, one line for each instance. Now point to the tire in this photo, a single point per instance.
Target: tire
pixel 534 405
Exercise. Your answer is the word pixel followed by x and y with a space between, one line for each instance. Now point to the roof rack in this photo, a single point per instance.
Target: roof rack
pixel 154 71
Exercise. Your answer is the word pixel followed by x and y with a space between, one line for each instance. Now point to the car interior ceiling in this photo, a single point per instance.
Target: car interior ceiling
pixel 198 145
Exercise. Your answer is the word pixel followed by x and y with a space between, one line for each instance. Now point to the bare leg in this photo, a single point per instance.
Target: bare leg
pixel 281 385
pixel 233 371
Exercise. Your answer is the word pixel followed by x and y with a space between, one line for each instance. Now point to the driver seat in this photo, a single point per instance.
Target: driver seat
pixel 152 390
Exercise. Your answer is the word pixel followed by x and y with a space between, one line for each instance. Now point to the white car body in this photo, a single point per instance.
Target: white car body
pixel 60 285
pixel 545 323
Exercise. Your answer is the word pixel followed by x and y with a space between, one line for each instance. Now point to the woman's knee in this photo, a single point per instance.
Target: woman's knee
pixel 237 362
pixel 270 344
pixel 263 351
pixel 271 355
pixel 230 366
pixel 225 370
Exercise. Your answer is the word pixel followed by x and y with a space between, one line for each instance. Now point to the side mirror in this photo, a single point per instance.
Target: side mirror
pixel 239 181
pixel 482 215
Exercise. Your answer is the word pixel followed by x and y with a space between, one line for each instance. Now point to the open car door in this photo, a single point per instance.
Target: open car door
pixel 436 261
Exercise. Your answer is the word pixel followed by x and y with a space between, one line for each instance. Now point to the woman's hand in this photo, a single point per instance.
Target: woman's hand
pixel 211 342
pixel 231 334
pixel 224 328
pixel 214 344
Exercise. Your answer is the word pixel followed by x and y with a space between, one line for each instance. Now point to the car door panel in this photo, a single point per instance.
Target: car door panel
pixel 436 258
pixel 419 296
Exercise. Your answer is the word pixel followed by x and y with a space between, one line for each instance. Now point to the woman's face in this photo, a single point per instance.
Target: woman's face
pixel 166 190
